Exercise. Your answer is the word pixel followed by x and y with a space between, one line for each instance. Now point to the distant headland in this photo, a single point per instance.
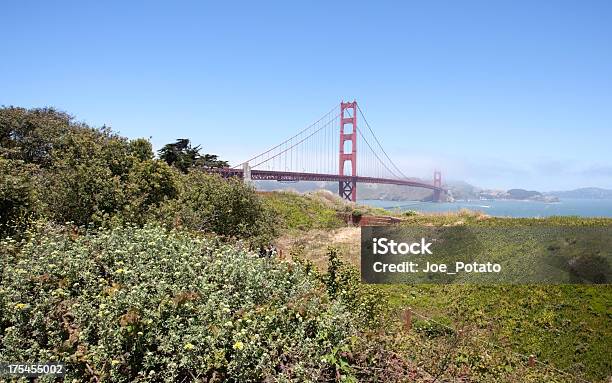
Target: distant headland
pixel 517 194
pixel 459 190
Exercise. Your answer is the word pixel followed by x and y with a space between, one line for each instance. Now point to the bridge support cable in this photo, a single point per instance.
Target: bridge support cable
pixel 382 150
pixel 309 151
pixel 391 168
pixel 293 161
pixel 370 162
pixel 376 164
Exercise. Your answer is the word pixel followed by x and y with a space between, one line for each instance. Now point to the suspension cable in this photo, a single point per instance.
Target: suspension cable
pixel 294 145
pixel 383 164
pixel 378 142
pixel 289 139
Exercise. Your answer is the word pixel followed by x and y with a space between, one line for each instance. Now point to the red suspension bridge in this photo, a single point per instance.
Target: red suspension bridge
pixel 327 151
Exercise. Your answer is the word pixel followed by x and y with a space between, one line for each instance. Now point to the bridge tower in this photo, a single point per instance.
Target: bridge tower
pixel 437 182
pixel 348 116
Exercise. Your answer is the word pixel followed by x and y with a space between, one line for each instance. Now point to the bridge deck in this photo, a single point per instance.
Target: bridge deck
pixel 274 175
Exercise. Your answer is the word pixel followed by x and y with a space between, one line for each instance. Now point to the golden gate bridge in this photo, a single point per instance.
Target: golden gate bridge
pixel 327 151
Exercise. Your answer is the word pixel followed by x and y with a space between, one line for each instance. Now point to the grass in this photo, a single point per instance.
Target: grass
pixel 317 210
pixel 298 212
pixel 566 325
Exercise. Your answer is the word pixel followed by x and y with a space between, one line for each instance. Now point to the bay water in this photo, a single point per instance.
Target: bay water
pixel 507 208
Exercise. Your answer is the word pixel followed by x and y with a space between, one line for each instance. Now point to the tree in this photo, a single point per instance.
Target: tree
pixel 184 157
pixel 212 161
pixel 31 135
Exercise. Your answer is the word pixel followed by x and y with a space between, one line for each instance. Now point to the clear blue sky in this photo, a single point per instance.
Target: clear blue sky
pixel 498 93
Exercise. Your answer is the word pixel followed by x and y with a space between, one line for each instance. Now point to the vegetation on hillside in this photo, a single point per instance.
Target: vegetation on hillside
pixel 316 210
pixel 65 171
pixel 148 305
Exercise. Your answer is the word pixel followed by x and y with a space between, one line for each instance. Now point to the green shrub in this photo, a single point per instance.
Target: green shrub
pixel 432 329
pixel 141 304
pixel 357 213
pixel 228 207
pixel 149 184
pixel 96 177
pixel 343 283
pixel 84 192
pixel 87 176
pixel 18 196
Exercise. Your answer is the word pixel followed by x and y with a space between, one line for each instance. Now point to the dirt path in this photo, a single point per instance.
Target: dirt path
pixel 316 242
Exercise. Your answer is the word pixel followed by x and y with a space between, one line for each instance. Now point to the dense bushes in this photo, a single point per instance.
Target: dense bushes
pixel 32 135
pixel 84 175
pixel 69 172
pixel 134 304
pixel 18 196
pixel 225 206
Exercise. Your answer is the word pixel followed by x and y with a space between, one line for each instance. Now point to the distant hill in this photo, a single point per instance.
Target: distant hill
pixel 517 194
pixel 522 194
pixel 583 193
pixel 364 191
pixel 459 190
pixel 300 187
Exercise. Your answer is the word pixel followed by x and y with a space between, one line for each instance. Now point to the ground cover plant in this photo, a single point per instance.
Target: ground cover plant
pixel 143 304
